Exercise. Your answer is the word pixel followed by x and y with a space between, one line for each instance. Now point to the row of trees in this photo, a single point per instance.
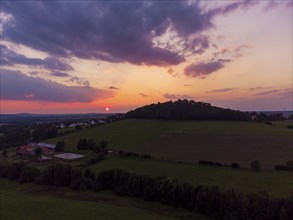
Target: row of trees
pixel 186 110
pixel 11 135
pixel 43 132
pixel 287 166
pixel 122 153
pixel 207 200
pixel 218 164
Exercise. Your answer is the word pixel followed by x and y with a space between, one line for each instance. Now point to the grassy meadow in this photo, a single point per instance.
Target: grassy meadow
pixel 276 183
pixel 222 141
pixel 28 201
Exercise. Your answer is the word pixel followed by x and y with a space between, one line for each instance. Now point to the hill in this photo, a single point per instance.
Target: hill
pixel 186 110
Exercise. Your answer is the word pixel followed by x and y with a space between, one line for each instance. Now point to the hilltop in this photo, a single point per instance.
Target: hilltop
pixel 186 110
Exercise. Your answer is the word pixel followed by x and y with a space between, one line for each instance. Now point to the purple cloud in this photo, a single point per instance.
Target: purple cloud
pixel 201 70
pixel 17 86
pixel 289 4
pixel 274 91
pixel 221 90
pixel 60 74
pixel 120 31
pixel 11 58
pixel 174 96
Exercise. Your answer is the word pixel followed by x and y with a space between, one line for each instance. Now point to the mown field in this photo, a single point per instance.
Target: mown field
pixel 276 183
pixel 28 201
pixel 222 141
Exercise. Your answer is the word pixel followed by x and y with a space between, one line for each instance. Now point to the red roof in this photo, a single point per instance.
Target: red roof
pixel 26 149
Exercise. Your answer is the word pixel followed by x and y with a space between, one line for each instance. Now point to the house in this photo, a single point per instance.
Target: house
pixel 46 146
pixel 26 150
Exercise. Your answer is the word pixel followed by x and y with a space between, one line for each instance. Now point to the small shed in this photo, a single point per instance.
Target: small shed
pixel 69 156
pixel 48 146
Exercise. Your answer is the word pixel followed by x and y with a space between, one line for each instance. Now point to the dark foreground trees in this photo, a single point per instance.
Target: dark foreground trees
pixel 206 200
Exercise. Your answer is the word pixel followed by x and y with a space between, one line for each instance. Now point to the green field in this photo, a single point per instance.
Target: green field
pixel 222 141
pixel 276 183
pixel 33 202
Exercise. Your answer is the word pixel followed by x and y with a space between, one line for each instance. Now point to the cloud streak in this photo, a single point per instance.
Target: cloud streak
pixel 176 96
pixel 221 90
pixel 17 86
pixel 202 70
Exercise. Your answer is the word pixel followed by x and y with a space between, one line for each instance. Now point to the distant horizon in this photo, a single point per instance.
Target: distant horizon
pixel 123 112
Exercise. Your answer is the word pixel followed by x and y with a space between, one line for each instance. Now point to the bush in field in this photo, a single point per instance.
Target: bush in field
pixel 38 152
pixel 280 167
pixel 255 165
pixel 235 165
pixel 60 146
pixel 29 174
pixel 289 165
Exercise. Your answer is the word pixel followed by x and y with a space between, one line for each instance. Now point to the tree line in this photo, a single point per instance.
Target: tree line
pixel 206 200
pixel 186 110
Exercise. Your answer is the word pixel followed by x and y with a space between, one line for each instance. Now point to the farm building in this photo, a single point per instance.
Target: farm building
pixel 47 146
pixel 25 150
pixel 69 156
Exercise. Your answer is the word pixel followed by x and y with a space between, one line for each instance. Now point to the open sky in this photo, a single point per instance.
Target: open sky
pixel 86 56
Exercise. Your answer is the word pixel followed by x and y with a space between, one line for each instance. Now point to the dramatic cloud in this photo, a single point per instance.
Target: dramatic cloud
pixel 79 81
pixel 174 96
pixel 221 90
pixel 114 31
pixel 60 74
pixel 201 70
pixel 17 86
pixel 11 58
pixel 113 87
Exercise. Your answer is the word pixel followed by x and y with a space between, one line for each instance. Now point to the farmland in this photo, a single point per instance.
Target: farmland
pixel 223 141
pixel 278 184
pixel 27 201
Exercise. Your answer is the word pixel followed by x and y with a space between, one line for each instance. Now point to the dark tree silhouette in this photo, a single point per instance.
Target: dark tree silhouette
pixel 186 110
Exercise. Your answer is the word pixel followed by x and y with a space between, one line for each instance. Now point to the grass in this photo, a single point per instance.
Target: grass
pixel 283 123
pixel 130 133
pixel 27 201
pixel 276 183
pixel 223 141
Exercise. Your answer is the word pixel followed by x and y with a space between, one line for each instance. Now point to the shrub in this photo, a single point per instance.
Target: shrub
pixel 289 165
pixel 235 165
pixel 280 167
pixel 29 174
pixel 255 165
pixel 60 146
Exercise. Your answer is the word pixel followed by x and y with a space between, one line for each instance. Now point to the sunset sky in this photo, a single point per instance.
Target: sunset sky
pixel 86 56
